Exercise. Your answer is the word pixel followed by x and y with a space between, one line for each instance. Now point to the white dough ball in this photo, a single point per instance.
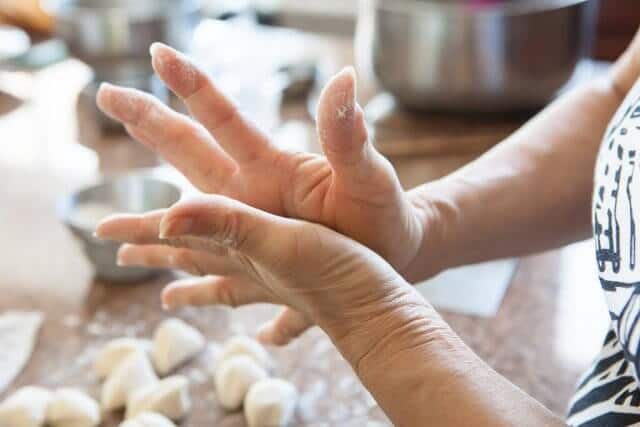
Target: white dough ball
pixel 174 343
pixel 73 408
pixel 114 353
pixel 270 403
pixel 234 377
pixel 243 345
pixel 27 407
pixel 133 374
pixel 169 397
pixel 148 419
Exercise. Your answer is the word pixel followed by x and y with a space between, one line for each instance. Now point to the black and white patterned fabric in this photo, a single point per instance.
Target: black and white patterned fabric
pixel 608 394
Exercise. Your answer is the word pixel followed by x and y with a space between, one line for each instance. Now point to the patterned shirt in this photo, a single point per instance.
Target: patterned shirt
pixel 608 394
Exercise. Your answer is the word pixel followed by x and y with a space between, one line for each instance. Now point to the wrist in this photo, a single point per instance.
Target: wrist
pixel 437 215
pixel 386 328
pixel 405 355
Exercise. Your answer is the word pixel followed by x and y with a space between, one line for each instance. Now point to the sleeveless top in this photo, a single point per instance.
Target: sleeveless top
pixel 608 393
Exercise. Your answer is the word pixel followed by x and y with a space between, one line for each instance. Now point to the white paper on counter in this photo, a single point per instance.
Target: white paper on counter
pixel 474 289
pixel 18 336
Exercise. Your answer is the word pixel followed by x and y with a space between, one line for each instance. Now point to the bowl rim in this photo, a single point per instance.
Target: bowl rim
pixel 503 9
pixel 66 10
pixel 67 203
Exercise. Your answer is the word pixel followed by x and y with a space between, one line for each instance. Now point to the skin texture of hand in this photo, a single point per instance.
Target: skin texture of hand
pixel 352 189
pixel 414 365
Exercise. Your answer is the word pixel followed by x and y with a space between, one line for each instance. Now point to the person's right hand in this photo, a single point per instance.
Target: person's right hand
pixel 353 190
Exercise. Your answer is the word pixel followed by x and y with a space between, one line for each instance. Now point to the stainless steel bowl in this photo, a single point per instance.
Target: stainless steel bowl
pixel 113 36
pixel 460 55
pixel 133 193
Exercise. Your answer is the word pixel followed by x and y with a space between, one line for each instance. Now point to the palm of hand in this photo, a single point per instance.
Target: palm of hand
pixel 353 190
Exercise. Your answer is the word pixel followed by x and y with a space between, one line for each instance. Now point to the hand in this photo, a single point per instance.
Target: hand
pixel 322 275
pixel 353 190
pixel 402 351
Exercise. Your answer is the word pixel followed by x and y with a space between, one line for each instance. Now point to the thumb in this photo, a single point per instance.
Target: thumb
pixel 209 223
pixel 287 326
pixel 342 130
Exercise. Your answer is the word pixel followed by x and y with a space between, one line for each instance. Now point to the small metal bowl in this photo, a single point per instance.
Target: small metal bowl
pixel 132 193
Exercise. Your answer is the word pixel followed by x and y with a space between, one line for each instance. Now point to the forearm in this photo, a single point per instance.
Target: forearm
pixel 421 373
pixel 531 192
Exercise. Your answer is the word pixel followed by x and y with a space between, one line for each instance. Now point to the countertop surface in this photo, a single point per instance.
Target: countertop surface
pixel 544 336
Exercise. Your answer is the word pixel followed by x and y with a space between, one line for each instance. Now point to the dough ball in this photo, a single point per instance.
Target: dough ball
pixel 72 408
pixel 133 374
pixel 234 377
pixel 270 403
pixel 174 343
pixel 113 353
pixel 243 345
pixel 27 407
pixel 169 397
pixel 148 419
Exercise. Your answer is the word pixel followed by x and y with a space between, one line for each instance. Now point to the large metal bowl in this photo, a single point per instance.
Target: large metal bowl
pixel 490 56
pixel 131 193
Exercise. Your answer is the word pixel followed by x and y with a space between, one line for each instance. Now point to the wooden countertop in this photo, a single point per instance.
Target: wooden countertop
pixel 549 326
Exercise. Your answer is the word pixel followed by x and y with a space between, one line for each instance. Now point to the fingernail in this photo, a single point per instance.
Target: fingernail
pixel 106 85
pixel 121 260
pixel 348 70
pixel 153 49
pixel 175 228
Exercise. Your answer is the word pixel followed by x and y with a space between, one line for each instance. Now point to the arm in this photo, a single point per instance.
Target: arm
pixel 421 373
pixel 415 366
pixel 531 192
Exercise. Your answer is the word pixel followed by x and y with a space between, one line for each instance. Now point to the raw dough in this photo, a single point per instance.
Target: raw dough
pixel 148 419
pixel 113 353
pixel 169 397
pixel 243 345
pixel 234 377
pixel 72 408
pixel 174 343
pixel 134 373
pixel 27 407
pixel 18 334
pixel 270 403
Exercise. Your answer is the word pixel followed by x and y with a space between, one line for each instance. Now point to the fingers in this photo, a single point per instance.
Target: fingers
pixel 288 325
pixel 133 228
pixel 174 136
pixel 238 136
pixel 212 290
pixel 160 256
pixel 214 221
pixel 342 130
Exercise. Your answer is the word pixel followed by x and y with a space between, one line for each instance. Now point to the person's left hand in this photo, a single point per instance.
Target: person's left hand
pixel 321 275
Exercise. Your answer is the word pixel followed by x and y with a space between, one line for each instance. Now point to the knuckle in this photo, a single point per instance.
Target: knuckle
pixel 224 119
pixel 197 266
pixel 139 234
pixel 225 294
pixel 184 130
pixel 142 110
pixel 232 232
